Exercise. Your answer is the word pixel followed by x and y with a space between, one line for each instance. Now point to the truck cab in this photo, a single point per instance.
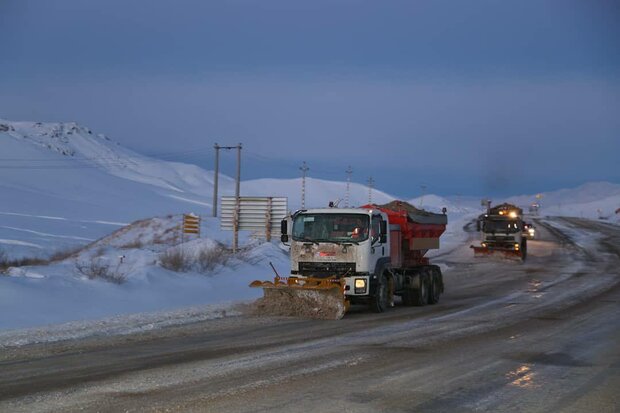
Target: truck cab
pixel 502 230
pixel 349 243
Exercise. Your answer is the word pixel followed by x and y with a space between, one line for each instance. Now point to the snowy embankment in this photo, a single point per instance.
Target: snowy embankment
pixel 111 286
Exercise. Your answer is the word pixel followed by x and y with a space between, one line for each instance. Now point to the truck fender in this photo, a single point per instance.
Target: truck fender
pixel 382 265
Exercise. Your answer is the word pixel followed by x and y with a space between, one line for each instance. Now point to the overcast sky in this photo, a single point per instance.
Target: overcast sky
pixel 465 97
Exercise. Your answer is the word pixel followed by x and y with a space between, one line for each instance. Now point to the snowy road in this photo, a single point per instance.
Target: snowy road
pixel 540 336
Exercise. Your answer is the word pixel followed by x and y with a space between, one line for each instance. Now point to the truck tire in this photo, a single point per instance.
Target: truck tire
pixel 407 297
pixel 381 300
pixel 420 295
pixel 434 290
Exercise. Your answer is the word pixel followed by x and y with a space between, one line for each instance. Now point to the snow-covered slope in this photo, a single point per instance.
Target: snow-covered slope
pixel 437 203
pixel 128 272
pixel 64 185
pixel 590 200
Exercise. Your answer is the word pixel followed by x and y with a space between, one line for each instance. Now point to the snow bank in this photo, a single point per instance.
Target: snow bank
pixel 122 273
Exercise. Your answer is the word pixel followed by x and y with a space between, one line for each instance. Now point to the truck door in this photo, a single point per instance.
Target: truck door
pixel 378 249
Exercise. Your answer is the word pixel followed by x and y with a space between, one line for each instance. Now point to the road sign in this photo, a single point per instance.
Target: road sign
pixel 191 224
pixel 261 215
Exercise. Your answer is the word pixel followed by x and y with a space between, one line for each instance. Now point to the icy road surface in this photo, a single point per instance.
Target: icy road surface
pixel 537 337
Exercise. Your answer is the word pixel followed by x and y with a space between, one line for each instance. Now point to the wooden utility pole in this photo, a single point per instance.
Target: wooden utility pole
pixel 215 177
pixel 237 207
pixel 237 189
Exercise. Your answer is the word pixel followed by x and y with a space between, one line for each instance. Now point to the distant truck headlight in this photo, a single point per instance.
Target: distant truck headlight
pixel 531 231
pixel 512 214
pixel 360 286
pixel 517 246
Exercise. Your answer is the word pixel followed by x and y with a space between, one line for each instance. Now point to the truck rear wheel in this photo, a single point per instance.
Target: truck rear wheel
pixel 420 295
pixel 434 289
pixel 381 300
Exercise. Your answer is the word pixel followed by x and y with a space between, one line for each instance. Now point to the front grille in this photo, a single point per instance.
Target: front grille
pixel 326 269
pixel 500 238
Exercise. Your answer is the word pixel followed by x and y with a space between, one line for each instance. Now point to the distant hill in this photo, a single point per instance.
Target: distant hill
pixel 590 200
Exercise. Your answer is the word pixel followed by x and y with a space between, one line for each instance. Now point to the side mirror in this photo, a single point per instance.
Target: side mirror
pixel 383 228
pixel 284 230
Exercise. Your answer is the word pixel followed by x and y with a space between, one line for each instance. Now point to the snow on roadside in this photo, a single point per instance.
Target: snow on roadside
pixel 116 325
pixel 75 290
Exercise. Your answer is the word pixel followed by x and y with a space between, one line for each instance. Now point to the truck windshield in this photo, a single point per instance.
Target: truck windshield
pixel 331 227
pixel 503 226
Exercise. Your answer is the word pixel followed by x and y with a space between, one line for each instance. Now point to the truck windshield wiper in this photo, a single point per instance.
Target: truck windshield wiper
pixel 333 241
pixel 313 241
pixel 339 242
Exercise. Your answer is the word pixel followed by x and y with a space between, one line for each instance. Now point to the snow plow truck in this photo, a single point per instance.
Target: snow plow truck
pixel 501 231
pixel 356 256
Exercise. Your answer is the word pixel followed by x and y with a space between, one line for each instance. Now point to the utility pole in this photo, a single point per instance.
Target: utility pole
pixel 304 169
pixel 237 189
pixel 349 171
pixel 215 177
pixel 371 183
pixel 237 203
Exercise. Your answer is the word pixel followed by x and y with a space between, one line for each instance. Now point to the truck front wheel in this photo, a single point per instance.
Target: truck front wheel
pixel 381 300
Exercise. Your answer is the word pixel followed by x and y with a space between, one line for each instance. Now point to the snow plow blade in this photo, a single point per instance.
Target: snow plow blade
pixel 321 298
pixel 500 253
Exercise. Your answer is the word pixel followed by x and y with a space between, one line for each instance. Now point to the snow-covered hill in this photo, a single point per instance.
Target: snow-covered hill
pixel 64 185
pixel 590 200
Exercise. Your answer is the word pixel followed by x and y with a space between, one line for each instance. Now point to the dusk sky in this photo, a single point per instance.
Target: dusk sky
pixel 464 97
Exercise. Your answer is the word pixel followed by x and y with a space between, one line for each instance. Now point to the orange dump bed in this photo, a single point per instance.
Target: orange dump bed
pixel 413 232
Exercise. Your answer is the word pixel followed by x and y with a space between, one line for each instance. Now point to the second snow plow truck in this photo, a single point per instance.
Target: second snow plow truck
pixel 363 255
pixel 502 233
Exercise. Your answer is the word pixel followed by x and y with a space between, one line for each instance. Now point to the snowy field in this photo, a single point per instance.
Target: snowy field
pixel 112 218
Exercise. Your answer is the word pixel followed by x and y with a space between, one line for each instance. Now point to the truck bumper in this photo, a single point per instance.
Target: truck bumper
pixel 508 251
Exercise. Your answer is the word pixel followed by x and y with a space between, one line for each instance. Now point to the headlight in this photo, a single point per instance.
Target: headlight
pixel 484 244
pixel 516 246
pixel 531 231
pixel 360 286
pixel 513 214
